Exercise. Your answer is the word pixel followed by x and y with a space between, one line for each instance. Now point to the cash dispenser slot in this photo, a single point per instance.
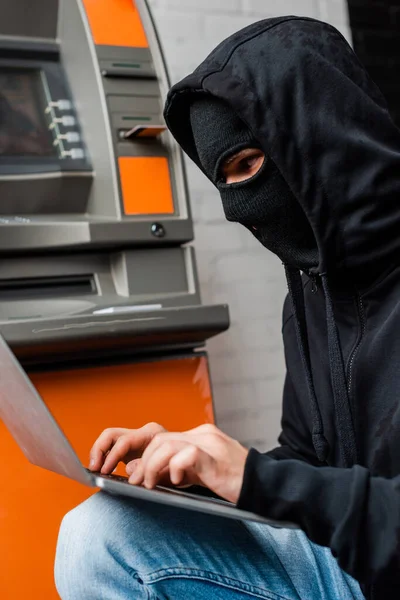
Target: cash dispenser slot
pixel 96 303
pixel 47 287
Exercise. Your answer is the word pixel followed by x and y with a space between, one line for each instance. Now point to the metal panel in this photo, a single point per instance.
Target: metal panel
pixel 165 276
pixel 40 234
pixel 124 86
pixel 123 53
pixel 87 86
pixel 112 68
pixel 31 18
pixel 57 339
pixel 118 58
pixel 154 272
pixel 44 194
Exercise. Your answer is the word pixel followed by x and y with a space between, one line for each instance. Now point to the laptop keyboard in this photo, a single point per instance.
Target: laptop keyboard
pixel 113 477
pixel 178 492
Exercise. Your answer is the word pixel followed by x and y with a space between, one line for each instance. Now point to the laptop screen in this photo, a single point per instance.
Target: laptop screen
pixel 30 422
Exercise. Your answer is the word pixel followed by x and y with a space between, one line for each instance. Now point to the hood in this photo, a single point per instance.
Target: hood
pixel 302 92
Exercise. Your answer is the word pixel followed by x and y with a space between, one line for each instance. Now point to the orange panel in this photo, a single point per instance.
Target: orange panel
pixel 146 185
pixel 115 23
pixel 33 501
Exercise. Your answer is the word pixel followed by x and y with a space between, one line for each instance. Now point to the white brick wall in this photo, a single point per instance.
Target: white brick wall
pixel 247 364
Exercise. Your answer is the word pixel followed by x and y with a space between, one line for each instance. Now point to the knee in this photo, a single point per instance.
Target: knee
pixel 96 540
pixel 74 540
pixel 86 534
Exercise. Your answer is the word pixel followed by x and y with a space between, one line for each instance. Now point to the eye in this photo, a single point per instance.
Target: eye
pixel 242 165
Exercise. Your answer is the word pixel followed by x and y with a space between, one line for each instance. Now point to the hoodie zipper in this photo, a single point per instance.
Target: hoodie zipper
pixel 361 316
pixel 360 310
pixel 314 283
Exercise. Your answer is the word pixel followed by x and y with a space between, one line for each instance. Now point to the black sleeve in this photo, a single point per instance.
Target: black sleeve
pixel 353 513
pixel 295 439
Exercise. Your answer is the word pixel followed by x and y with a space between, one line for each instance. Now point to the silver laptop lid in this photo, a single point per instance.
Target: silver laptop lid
pixel 31 424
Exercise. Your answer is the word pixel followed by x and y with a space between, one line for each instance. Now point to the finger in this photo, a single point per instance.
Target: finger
pixel 123 447
pixel 205 439
pixel 159 439
pixel 159 460
pixel 137 475
pixel 132 466
pixel 191 464
pixel 102 445
pixel 129 446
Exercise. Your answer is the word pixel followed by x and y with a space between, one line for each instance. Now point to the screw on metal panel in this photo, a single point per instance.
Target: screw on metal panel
pixel 158 230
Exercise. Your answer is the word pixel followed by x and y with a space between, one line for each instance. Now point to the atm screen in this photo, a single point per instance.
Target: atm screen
pixel 23 127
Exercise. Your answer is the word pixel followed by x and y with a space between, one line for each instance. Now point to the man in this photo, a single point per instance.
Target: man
pixel 286 123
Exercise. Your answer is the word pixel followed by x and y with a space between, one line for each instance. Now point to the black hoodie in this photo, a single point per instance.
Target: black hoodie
pixel 300 89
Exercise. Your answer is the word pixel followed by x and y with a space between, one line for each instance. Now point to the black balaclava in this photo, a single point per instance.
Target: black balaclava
pixel 264 203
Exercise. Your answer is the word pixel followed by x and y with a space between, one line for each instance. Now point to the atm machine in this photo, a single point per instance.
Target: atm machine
pixel 99 296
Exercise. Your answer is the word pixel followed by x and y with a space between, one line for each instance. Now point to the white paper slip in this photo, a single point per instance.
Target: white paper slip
pixel 113 310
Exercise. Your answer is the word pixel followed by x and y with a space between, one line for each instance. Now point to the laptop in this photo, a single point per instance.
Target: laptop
pixel 44 444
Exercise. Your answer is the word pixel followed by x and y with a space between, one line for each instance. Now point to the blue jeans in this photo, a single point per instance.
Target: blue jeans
pixel 113 548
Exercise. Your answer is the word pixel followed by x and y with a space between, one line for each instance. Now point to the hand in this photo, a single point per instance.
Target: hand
pixel 119 444
pixel 202 456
